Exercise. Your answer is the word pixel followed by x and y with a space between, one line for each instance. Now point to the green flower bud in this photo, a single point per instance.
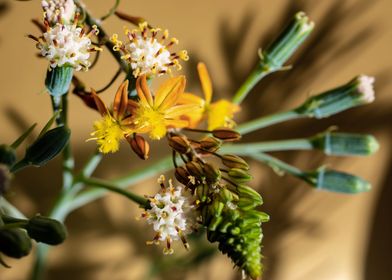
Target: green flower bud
pixel 239 175
pixel 288 42
pixel 58 80
pixel 336 181
pixel 7 155
pixel 14 242
pixel 46 230
pixel 202 192
pixel 358 91
pixel 246 191
pixel 233 161
pixel 343 144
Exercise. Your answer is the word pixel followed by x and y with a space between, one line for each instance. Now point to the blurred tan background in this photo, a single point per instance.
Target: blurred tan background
pixel 312 235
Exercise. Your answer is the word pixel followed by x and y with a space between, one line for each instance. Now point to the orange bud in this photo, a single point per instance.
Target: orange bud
pixel 140 146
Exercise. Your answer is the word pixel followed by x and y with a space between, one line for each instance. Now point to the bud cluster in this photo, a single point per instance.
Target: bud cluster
pixel 226 205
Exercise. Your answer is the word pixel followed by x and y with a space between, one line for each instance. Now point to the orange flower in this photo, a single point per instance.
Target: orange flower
pixel 218 114
pixel 155 114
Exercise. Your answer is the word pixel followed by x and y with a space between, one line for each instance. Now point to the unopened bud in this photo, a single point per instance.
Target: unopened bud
pixel 195 169
pixel 180 144
pixel 358 91
pixel 46 230
pixel 212 173
pixel 226 134
pixel 202 192
pixel 233 161
pixel 336 181
pixel 140 146
pixel 210 144
pixel 226 195
pixel 182 175
pixel 246 191
pixel 246 203
pixel 343 144
pixel 14 242
pixel 239 175
pixel 58 80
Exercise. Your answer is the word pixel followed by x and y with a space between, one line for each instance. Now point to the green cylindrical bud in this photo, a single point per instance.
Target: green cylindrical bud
pixel 14 242
pixel 239 175
pixel 358 91
pixel 344 144
pixel 247 203
pixel 195 169
pixel 233 161
pixel 225 195
pixel 202 192
pixel 180 144
pixel 212 173
pixel 210 144
pixel 46 230
pixel 7 155
pixel 58 80
pixel 288 41
pixel 5 177
pixel 337 181
pixel 246 191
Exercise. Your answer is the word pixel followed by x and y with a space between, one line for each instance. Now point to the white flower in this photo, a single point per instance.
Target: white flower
pixel 170 215
pixel 66 45
pixel 365 88
pixel 58 11
pixel 146 54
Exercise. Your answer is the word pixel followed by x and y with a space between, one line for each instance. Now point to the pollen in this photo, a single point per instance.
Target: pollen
pixel 146 118
pixel 107 133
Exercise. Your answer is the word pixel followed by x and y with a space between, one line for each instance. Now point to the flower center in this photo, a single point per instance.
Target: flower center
pixel 107 133
pixel 146 118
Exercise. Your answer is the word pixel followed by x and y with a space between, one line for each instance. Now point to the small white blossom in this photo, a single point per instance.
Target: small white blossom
pixel 66 45
pixel 58 11
pixel 365 88
pixel 146 53
pixel 170 215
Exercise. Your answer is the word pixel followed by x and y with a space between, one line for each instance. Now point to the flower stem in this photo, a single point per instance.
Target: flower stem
pixel 270 146
pixel 269 120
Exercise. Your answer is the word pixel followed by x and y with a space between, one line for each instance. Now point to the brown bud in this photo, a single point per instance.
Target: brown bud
pixel 140 146
pixel 182 175
pixel 195 169
pixel 226 134
pixel 239 175
pixel 233 161
pixel 210 144
pixel 212 173
pixel 131 19
pixel 80 91
pixel 180 144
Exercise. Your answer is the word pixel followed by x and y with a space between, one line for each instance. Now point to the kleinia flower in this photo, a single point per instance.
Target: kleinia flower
pixel 146 53
pixel 67 45
pixel 170 215
pixel 58 11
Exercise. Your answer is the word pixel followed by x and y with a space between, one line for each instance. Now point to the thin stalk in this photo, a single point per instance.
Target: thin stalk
pixel 10 209
pixel 270 146
pixel 281 166
pixel 111 11
pixel 269 120
pixel 94 182
pixel 114 78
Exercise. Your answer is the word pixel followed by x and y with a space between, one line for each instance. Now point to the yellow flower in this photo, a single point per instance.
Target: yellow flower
pixel 218 114
pixel 155 114
pixel 114 125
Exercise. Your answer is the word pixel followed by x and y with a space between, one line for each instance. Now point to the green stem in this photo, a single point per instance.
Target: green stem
pixel 269 120
pixel 10 209
pixel 94 182
pixel 280 166
pixel 111 11
pixel 254 77
pixel 270 146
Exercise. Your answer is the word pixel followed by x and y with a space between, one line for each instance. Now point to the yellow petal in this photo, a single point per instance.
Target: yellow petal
pixel 205 81
pixel 169 92
pixel 220 114
pixel 179 110
pixel 102 109
pixel 143 91
pixel 190 98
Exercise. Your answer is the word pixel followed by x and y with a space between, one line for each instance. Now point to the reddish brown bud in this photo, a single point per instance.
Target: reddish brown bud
pixel 210 144
pixel 233 161
pixel 195 169
pixel 182 175
pixel 226 134
pixel 140 146
pixel 180 144
pixel 131 19
pixel 212 173
pixel 81 92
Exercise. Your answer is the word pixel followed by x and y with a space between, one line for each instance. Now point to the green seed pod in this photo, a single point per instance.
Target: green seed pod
pixel 239 175
pixel 58 80
pixel 345 144
pixel 46 230
pixel 7 155
pixel 233 161
pixel 14 243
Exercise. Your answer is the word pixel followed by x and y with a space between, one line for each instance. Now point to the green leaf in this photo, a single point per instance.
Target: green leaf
pixel 49 123
pixel 23 137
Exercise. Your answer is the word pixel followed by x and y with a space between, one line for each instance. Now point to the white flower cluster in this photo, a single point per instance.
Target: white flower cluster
pixel 170 215
pixel 144 58
pixel 66 45
pixel 58 9
pixel 365 88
